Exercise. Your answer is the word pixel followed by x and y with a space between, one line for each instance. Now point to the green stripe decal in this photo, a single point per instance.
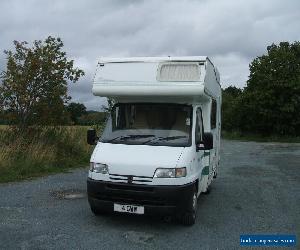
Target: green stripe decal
pixel 205 170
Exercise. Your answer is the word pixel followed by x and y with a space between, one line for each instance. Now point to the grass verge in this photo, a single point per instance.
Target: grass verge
pixel 258 138
pixel 41 151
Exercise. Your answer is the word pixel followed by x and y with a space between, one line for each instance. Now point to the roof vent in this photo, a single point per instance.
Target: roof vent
pixel 178 72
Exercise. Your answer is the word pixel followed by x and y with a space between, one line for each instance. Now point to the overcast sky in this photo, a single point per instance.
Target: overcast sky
pixel 231 32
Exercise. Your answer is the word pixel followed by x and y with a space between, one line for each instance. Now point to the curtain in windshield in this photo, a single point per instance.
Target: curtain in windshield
pixel 153 124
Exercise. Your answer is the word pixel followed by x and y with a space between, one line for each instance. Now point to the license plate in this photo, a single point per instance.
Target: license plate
pixel 128 209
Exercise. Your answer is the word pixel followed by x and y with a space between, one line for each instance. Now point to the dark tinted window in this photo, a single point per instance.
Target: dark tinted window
pixel 213 114
pixel 199 126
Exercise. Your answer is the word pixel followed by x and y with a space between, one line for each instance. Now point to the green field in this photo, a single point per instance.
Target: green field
pixel 42 151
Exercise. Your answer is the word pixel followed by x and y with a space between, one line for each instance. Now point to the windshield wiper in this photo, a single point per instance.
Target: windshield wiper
pixel 111 140
pixel 137 136
pixel 168 138
pixel 125 137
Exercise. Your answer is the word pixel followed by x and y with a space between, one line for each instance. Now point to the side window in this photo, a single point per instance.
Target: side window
pixel 213 114
pixel 199 126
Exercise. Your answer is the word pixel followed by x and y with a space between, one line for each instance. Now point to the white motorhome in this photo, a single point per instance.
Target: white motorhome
pixel 160 148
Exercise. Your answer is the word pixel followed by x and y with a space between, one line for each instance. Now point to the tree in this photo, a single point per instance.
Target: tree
pixel 230 118
pixel 92 118
pixel 76 110
pixel 270 103
pixel 34 84
pixel 110 104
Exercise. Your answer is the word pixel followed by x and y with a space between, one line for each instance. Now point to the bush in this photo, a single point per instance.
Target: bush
pixel 41 150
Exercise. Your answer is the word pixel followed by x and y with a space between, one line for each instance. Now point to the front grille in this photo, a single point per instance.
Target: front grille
pixel 130 188
pixel 131 199
pixel 129 194
pixel 130 179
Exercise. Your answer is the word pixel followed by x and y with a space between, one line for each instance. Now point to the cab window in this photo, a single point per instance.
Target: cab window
pixel 199 126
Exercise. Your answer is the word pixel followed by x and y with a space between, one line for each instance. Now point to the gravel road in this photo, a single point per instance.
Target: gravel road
pixel 257 192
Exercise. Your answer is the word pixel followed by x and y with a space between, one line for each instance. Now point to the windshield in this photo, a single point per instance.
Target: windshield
pixel 149 124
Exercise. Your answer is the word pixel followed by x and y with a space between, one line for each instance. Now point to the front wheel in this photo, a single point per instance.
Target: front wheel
pixel 188 217
pixel 216 171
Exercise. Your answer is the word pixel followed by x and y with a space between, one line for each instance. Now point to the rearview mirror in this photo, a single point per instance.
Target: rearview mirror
pixel 91 136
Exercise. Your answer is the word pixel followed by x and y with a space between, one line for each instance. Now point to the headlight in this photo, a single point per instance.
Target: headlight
pixel 170 172
pixel 98 168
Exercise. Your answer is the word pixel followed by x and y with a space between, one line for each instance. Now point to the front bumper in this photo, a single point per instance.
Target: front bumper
pixel 163 200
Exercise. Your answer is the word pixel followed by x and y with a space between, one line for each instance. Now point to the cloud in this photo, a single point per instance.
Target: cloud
pixel 231 32
pixel 235 69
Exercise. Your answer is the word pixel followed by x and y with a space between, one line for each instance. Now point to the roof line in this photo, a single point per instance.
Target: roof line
pixel 153 59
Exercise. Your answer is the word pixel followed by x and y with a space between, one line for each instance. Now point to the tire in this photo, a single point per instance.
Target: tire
pixel 188 218
pixel 215 174
pixel 216 171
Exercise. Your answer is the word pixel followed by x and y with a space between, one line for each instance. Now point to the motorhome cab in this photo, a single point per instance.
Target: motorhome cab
pixel 160 148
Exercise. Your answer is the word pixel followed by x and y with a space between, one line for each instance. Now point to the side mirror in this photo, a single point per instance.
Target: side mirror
pixel 207 143
pixel 208 140
pixel 91 136
pixel 200 146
